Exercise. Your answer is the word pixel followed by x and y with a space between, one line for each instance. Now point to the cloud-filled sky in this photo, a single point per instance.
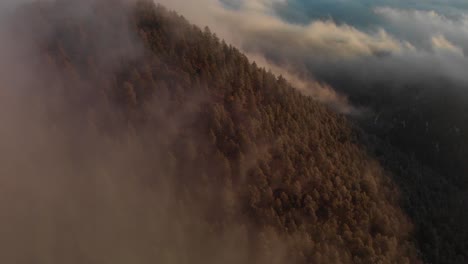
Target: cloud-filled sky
pixel 418 22
pixel 369 39
pixel 408 39
pixel 360 12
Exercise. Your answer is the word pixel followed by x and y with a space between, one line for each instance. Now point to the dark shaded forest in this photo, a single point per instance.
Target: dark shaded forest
pixel 241 145
pixel 425 123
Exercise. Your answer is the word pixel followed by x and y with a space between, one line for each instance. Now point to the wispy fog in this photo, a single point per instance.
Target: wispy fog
pixel 71 192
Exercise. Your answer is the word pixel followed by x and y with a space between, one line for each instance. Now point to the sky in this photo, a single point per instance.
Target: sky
pixel 409 41
pixel 346 29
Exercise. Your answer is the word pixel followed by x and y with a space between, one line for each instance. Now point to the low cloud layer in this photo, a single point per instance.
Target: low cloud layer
pixel 410 41
pixel 421 27
pixel 284 47
pixel 256 21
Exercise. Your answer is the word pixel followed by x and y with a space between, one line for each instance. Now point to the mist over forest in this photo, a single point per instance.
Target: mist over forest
pixel 233 131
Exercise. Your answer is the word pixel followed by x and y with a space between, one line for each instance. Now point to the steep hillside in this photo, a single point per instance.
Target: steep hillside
pixel 213 144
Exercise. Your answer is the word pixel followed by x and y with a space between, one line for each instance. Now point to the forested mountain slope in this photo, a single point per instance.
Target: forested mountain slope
pixel 135 91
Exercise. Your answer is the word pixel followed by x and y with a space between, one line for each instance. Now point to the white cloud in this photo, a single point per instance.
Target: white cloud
pixel 422 28
pixel 254 23
pixel 440 43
